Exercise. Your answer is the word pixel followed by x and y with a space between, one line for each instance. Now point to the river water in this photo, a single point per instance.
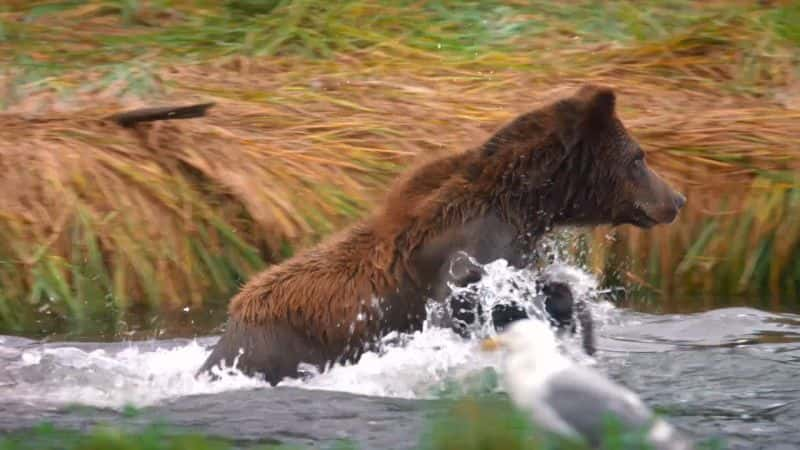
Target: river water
pixel 730 373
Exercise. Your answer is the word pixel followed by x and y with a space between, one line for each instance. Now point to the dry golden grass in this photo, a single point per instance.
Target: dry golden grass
pixel 173 213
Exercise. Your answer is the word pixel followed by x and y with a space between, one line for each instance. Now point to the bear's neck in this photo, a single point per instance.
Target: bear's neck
pixel 534 192
pixel 518 210
pixel 531 188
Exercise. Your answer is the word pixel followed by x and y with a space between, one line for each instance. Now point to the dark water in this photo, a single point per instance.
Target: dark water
pixel 732 373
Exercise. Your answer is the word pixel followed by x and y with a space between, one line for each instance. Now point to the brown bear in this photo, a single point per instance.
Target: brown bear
pixel 570 163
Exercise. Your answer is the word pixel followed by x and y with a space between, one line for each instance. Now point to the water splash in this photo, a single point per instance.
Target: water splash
pixel 408 366
pixel 418 365
pixel 63 375
pixel 413 369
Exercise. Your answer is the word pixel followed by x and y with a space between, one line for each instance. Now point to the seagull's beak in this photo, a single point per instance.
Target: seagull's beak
pixel 492 344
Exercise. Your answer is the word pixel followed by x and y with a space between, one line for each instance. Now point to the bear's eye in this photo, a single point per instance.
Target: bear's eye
pixel 638 166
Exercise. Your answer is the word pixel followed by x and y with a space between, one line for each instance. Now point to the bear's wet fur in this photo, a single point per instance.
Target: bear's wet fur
pixel 569 163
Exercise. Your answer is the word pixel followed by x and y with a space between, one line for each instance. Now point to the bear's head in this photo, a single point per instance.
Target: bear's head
pixel 599 173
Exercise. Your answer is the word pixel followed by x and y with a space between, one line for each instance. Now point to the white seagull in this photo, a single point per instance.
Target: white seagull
pixel 569 399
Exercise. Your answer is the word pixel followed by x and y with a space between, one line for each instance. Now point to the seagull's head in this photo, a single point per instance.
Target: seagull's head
pixel 527 336
pixel 531 350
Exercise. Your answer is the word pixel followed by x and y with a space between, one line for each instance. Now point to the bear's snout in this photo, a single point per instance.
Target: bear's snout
pixel 679 200
pixel 669 212
pixel 661 214
pixel 657 201
pixel 655 212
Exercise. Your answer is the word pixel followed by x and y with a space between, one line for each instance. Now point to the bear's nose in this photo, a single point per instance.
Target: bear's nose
pixel 680 201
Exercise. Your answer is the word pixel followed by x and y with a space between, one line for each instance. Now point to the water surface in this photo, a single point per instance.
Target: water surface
pixel 728 372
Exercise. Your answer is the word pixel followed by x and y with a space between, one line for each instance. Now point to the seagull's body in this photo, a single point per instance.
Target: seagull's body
pixel 569 399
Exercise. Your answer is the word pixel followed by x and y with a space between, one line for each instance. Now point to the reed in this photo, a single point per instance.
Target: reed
pixel 320 104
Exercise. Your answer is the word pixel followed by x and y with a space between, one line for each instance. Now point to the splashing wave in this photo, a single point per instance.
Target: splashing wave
pixel 146 373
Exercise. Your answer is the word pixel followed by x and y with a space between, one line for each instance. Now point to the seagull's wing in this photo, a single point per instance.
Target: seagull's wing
pixel 584 399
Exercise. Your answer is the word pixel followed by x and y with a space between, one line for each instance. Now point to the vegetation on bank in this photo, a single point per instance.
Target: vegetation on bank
pixel 320 104
pixel 473 423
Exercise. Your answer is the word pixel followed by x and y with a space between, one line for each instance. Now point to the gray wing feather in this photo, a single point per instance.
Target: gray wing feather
pixel 583 398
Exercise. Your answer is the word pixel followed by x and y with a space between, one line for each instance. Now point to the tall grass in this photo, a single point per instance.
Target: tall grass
pixel 320 104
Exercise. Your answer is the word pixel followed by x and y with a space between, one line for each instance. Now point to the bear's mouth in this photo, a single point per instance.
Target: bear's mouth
pixel 642 220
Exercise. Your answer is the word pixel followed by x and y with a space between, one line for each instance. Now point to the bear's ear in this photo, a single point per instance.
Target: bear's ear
pixel 589 111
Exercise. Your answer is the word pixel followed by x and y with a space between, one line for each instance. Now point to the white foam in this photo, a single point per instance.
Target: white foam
pixel 413 370
pixel 416 367
pixel 70 375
